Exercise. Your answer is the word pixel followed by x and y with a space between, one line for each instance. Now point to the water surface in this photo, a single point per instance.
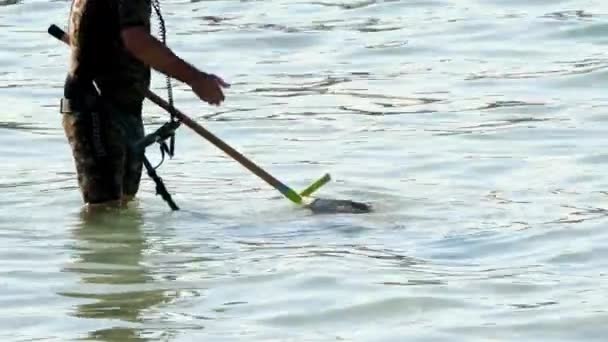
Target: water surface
pixel 476 128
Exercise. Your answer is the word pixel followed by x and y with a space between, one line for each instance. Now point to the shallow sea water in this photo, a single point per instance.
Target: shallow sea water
pixel 476 129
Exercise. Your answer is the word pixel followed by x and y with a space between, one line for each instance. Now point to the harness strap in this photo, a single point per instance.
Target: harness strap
pixel 160 186
pixel 163 37
pixel 159 136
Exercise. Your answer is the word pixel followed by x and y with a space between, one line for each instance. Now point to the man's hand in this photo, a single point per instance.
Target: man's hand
pixel 208 88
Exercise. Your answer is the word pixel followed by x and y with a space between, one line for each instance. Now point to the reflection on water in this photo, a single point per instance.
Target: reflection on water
pixel 8 2
pixel 110 249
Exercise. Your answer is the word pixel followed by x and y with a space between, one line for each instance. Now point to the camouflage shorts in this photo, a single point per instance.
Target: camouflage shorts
pixel 107 169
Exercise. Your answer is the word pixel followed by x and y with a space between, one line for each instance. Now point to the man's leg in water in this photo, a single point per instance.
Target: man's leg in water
pixel 133 129
pixel 98 156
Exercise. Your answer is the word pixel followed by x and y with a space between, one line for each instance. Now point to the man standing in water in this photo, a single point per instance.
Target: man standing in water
pixel 112 51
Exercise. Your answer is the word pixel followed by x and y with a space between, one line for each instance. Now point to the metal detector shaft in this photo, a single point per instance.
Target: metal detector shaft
pixel 282 188
pixel 58 33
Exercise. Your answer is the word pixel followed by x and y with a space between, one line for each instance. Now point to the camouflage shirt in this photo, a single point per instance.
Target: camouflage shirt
pixel 98 53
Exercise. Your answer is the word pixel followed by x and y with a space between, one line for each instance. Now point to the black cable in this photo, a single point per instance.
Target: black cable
pixel 163 33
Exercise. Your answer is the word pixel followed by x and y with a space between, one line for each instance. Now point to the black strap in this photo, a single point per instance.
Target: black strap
pixel 160 135
pixel 163 35
pixel 160 186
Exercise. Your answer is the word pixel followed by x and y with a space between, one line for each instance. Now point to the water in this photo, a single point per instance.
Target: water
pixel 476 128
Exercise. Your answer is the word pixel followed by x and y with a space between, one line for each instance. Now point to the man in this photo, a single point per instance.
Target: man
pixel 112 51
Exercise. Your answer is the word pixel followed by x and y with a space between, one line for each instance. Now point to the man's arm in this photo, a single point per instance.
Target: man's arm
pixel 133 16
pixel 152 52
